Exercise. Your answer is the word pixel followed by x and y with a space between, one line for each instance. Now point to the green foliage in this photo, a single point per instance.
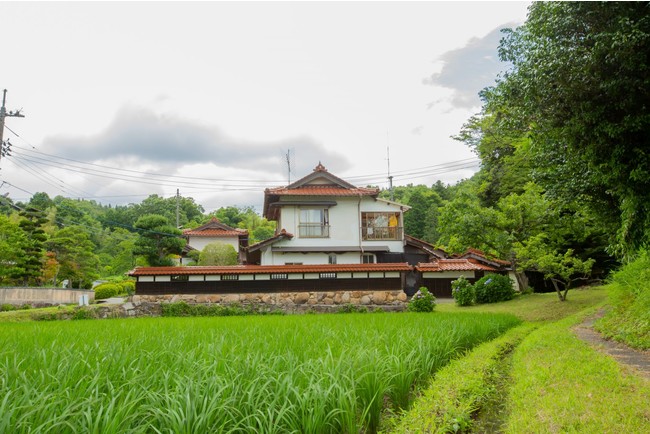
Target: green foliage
pixel 629 293
pixel 13 242
pixel 74 252
pixel 83 313
pixel 493 288
pixel 422 219
pixel 157 240
pixel 422 301
pixel 7 307
pixel 259 228
pixel 32 254
pixel 182 308
pixel 352 308
pixel 218 253
pixel 188 210
pixel 127 287
pixel 463 292
pixel 570 61
pixel 107 290
pixel 564 269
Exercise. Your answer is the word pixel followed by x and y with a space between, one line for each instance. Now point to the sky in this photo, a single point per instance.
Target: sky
pixel 127 99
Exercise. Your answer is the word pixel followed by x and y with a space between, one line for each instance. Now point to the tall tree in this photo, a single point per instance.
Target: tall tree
pixel 74 252
pixel 580 82
pixel 31 222
pixel 13 242
pixel 157 240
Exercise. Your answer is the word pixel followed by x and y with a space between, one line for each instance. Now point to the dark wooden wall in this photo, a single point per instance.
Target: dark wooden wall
pixel 257 286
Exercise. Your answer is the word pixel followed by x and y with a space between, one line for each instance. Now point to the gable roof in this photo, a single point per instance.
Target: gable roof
pixel 319 183
pixel 282 235
pixel 214 228
pixel 478 255
pixel 422 245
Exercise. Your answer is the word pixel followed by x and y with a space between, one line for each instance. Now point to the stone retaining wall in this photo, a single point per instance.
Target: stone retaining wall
pixel 291 301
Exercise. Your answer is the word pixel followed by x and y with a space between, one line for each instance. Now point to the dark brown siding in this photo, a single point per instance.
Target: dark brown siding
pixel 254 286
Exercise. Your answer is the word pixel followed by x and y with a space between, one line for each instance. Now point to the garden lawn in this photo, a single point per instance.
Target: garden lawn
pixel 302 373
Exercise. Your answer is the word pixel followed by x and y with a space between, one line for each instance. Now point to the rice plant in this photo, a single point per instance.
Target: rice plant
pixel 300 374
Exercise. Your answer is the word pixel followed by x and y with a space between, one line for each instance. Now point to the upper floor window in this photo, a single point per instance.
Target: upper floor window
pixel 367 258
pixel 331 258
pixel 314 223
pixel 381 226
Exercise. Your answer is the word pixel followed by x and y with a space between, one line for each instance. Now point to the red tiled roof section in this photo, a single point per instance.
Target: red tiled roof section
pixel 454 265
pixel 214 233
pixel 322 190
pixel 257 269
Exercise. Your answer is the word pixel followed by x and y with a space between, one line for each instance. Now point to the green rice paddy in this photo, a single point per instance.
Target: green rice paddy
pixel 284 374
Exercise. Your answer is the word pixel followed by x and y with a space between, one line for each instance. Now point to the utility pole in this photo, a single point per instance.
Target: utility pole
pixel 178 197
pixel 3 114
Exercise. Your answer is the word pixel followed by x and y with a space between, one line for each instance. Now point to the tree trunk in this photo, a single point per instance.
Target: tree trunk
pixel 561 296
pixel 522 280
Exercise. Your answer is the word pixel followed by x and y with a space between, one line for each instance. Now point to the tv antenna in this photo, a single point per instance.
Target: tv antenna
pixel 390 177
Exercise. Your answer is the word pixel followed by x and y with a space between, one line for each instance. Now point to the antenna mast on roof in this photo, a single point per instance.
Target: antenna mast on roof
pixel 288 160
pixel 390 177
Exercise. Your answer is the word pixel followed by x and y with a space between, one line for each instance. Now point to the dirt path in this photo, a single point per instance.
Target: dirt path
pixel 637 360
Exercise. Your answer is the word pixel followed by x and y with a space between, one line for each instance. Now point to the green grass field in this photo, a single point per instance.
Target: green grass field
pixel 537 378
pixel 303 373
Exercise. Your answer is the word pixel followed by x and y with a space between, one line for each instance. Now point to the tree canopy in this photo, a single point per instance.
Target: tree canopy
pixel 579 86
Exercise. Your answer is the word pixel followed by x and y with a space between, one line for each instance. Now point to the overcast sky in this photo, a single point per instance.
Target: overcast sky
pixel 123 100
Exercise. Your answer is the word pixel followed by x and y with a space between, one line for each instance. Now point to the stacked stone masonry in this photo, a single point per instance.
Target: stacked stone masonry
pixel 290 301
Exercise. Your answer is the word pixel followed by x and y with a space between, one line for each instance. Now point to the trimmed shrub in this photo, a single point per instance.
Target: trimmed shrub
pixel 7 307
pixel 494 288
pixel 422 301
pixel 127 287
pixel 463 292
pixel 107 290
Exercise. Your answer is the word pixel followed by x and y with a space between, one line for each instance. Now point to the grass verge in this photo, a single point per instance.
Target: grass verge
pixel 560 384
pixel 554 382
pixel 629 294
pixel 538 307
pixel 460 389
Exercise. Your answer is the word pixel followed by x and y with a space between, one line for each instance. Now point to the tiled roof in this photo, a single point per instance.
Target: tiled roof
pixel 322 190
pixel 257 269
pixel 481 256
pixel 283 234
pixel 454 265
pixel 214 233
pixel 214 228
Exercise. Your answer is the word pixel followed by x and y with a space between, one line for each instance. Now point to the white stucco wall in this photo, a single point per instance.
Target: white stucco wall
pixel 199 243
pixel 345 225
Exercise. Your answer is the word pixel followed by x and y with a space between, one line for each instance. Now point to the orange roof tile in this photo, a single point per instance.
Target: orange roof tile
pixel 214 233
pixel 322 190
pixel 257 269
pixel 453 265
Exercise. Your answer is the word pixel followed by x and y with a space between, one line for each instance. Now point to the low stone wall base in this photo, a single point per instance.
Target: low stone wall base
pixel 291 301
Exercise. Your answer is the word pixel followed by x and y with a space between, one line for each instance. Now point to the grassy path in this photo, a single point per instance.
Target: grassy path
pixel 537 378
